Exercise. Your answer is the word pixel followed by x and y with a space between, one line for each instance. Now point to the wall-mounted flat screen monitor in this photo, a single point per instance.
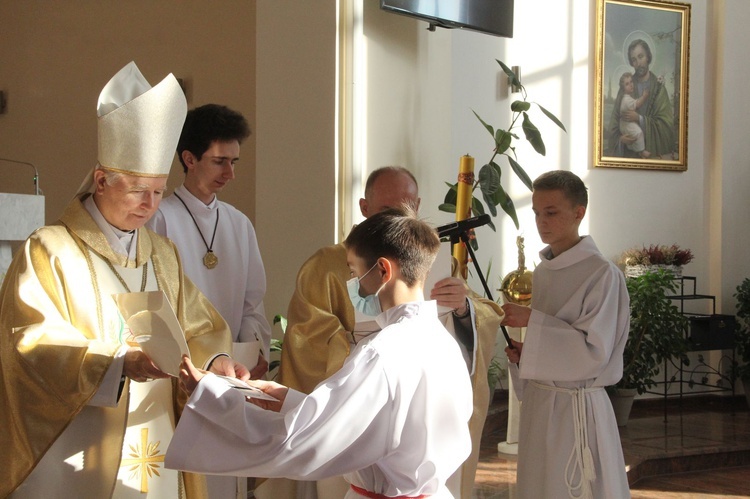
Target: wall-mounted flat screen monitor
pixel 494 17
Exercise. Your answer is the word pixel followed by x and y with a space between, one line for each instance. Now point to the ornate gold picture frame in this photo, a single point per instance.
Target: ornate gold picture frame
pixel 642 73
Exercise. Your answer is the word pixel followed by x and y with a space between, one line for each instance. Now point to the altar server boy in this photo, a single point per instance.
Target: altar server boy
pixel 576 329
pixel 393 420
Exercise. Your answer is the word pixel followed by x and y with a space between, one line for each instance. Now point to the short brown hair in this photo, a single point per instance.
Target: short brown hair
pixel 397 234
pixel 568 182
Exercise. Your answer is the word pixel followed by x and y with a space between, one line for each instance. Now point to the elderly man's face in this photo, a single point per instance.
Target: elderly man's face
pixel 131 201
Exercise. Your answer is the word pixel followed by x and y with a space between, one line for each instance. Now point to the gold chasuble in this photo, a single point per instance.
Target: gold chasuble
pixel 59 332
pixel 320 317
pixel 487 318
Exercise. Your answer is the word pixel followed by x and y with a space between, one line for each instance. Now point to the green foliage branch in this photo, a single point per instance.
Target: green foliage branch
pixel 488 179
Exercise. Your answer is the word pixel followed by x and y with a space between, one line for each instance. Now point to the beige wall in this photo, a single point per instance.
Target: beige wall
pixel 296 138
pixel 56 57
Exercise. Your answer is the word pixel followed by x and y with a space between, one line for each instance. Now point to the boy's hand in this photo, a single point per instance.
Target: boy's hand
pixel 190 375
pixel 260 368
pixel 516 315
pixel 514 354
pixel 271 388
pixel 227 366
pixel 450 292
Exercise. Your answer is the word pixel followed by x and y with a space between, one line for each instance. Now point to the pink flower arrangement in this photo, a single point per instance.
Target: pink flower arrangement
pixel 658 254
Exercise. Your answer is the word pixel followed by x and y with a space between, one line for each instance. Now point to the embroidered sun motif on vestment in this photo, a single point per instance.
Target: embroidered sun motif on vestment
pixel 143 460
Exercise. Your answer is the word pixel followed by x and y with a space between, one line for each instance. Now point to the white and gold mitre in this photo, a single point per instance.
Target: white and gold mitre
pixel 139 126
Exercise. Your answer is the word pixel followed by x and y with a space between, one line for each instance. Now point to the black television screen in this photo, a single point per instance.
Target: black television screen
pixel 494 17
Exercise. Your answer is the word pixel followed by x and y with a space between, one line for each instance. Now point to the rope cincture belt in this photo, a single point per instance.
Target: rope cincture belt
pixel 580 457
pixel 375 495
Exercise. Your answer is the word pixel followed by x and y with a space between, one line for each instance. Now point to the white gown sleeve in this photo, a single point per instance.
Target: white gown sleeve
pixel 220 433
pixel 109 390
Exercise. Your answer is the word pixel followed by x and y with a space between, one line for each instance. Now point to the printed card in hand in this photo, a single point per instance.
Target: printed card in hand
pixel 247 390
pixel 154 326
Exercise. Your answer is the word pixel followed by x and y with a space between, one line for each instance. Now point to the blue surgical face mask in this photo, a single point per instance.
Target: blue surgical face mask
pixel 368 305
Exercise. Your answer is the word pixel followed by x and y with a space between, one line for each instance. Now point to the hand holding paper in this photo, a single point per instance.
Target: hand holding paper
pixel 154 327
pixel 190 376
pixel 230 368
pixel 139 367
pixel 450 292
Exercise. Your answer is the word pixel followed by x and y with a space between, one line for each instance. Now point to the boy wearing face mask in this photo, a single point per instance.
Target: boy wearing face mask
pixel 367 304
pixel 321 333
pixel 393 423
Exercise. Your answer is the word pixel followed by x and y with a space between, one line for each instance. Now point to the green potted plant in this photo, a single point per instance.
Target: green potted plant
pixel 657 333
pixel 488 179
pixel 741 369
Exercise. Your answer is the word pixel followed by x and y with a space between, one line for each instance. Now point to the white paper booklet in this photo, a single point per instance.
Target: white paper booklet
pixel 154 326
pixel 247 390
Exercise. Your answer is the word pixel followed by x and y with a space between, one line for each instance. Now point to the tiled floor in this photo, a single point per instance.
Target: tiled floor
pixel 702 451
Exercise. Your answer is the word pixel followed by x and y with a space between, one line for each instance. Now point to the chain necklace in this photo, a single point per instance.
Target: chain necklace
pixel 210 260
pixel 122 281
pixel 86 250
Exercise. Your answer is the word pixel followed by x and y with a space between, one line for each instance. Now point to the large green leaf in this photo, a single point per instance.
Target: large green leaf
pixel 497 168
pixel 451 197
pixel 519 106
pixel 514 81
pixel 520 172
pixel 533 135
pixel 552 117
pixel 489 182
pixel 491 204
pixel 506 203
pixel 489 179
pixel 488 127
pixel 502 140
pixel 477 208
pixel 447 207
pixel 281 320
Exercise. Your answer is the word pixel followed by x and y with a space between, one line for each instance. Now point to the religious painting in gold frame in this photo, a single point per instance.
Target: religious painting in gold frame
pixel 642 49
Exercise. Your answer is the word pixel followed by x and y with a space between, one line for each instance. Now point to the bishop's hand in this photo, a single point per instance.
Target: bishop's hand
pixel 139 367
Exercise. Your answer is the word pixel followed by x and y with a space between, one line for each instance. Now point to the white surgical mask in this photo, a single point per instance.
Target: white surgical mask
pixel 368 305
